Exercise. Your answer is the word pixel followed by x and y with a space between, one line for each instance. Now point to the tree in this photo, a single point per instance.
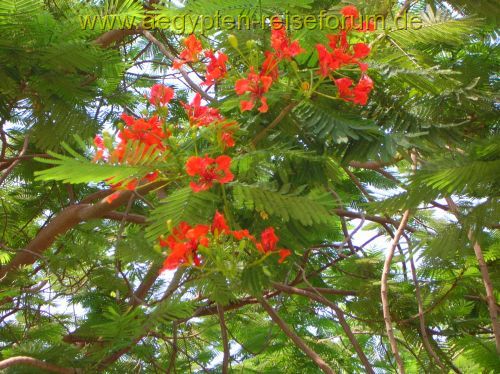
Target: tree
pixel 263 199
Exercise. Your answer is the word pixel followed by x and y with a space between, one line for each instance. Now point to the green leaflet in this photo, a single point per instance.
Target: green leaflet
pixel 181 205
pixel 324 123
pixel 78 169
pixel 306 210
pixel 436 27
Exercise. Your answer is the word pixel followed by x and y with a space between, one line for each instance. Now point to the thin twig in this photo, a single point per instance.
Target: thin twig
pixel 171 57
pixel 315 295
pixel 384 290
pixel 490 295
pixel 295 338
pixel 13 165
pixel 275 122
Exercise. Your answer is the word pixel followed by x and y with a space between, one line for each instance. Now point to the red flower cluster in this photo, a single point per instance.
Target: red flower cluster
pixel 284 49
pixel 200 115
pixel 341 54
pixel 358 94
pixel 208 170
pixel 216 67
pixel 257 85
pixel 190 53
pixel 350 14
pixel 149 133
pixel 268 241
pixel 161 95
pixel 185 241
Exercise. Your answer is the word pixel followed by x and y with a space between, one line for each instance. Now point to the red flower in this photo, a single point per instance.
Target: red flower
pixel 183 243
pixel 241 234
pixel 99 144
pixel 268 240
pixel 209 170
pixel 115 195
pixel 200 115
pixel 270 66
pixel 359 94
pixel 324 59
pixel 362 90
pixel 257 85
pixel 147 131
pixel 344 87
pixel 283 48
pixel 341 54
pixel 216 68
pixel 225 134
pixel 219 224
pixel 361 50
pixel 151 177
pixel 350 11
pixel 160 94
pixel 284 253
pixel 227 139
pixel 132 184
pixel 190 53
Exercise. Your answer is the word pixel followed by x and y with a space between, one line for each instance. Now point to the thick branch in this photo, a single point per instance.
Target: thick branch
pixel 146 284
pixel 63 222
pixel 130 217
pixel 36 363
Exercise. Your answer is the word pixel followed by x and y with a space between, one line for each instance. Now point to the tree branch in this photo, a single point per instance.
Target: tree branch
pixel 225 342
pixel 63 222
pixel 340 315
pixel 295 338
pixel 6 173
pixel 490 294
pixel 34 362
pixel 171 57
pixel 384 290
pixel 275 122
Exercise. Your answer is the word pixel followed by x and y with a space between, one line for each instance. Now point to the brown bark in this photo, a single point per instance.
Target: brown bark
pixel 39 364
pixel 62 223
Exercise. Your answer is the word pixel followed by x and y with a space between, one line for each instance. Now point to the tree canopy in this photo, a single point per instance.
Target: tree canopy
pixel 182 191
